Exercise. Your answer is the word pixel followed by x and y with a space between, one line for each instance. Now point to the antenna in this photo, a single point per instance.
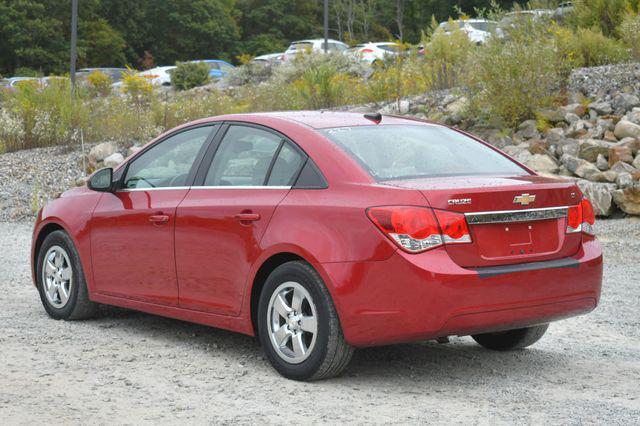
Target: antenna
pixel 376 117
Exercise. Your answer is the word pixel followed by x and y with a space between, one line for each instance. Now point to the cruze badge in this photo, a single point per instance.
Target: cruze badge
pixel 459 201
pixel 524 199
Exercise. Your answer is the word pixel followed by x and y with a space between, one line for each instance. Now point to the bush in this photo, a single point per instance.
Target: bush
pixel 26 72
pixel 99 83
pixel 136 86
pixel 188 75
pixel 603 15
pixel 589 48
pixel 510 79
pixel 629 31
pixel 446 57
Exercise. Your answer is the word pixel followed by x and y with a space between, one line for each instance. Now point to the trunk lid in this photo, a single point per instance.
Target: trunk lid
pixel 511 219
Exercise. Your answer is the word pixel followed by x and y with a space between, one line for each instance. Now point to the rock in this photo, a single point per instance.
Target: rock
pixel 621 167
pixel 528 130
pixel 633 116
pixel 458 106
pixel 519 153
pixel 571 118
pixel 620 153
pixel 626 129
pixel 575 109
pixel 624 102
pixel 609 136
pixel 589 149
pixel 636 162
pixel 401 107
pixel 579 128
pixel 113 160
pixel 610 176
pixel 132 150
pixel 542 163
pixel 554 135
pixel 628 199
pixel 602 108
pixel 632 143
pixel 551 115
pixel 602 163
pixel 567 146
pixel 579 167
pixel 624 180
pixel 538 146
pixel 101 151
pixel 600 195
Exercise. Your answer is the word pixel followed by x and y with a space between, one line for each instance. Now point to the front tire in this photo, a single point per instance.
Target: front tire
pixel 511 339
pixel 298 325
pixel 60 279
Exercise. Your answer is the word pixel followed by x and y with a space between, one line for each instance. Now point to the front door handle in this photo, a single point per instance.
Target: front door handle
pixel 159 219
pixel 245 218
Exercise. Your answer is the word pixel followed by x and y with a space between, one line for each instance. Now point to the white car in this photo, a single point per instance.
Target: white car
pixel 478 30
pixel 314 46
pixel 372 52
pixel 268 59
pixel 159 76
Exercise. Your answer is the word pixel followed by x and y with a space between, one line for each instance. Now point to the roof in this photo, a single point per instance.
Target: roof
pixel 324 119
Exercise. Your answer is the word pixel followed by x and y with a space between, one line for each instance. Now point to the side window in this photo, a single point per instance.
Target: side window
pixel 243 157
pixel 286 167
pixel 168 163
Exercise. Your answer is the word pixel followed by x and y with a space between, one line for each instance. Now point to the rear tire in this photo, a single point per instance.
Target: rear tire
pixel 60 279
pixel 298 325
pixel 511 339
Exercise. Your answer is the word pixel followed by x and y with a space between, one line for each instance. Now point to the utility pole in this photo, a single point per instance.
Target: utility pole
pixel 326 26
pixel 74 42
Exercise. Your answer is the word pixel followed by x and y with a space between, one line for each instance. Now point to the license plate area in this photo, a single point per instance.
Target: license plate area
pixel 517 239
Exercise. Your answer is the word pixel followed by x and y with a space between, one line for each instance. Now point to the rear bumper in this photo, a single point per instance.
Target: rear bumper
pixel 415 297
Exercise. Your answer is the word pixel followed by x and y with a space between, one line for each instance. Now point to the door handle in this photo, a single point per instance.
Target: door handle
pixel 247 217
pixel 159 219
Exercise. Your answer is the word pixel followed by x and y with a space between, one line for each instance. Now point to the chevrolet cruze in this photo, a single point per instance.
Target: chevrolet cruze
pixel 321 232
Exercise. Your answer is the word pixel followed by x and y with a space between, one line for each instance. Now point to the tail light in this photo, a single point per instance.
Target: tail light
pixel 366 51
pixel 417 229
pixel 580 218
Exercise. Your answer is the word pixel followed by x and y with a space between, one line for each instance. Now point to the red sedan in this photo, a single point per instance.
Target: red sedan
pixel 320 232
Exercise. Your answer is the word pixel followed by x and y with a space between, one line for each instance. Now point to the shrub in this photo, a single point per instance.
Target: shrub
pixel 26 72
pixel 603 15
pixel 99 83
pixel 629 31
pixel 590 48
pixel 446 56
pixel 136 86
pixel 510 79
pixel 188 75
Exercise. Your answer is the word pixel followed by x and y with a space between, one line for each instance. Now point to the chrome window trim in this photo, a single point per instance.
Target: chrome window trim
pixel 240 187
pixel 203 187
pixel 506 216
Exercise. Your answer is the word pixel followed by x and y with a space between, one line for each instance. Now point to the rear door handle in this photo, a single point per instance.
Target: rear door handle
pixel 247 217
pixel 159 219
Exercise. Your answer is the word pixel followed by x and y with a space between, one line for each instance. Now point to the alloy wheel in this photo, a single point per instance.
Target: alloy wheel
pixel 57 276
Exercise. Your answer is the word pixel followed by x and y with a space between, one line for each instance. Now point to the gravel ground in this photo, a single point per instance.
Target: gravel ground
pixel 128 367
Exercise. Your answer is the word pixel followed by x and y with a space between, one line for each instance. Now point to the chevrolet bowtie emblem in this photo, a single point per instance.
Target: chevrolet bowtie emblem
pixel 524 199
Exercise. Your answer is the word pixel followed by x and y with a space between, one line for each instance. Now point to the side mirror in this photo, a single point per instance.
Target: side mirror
pixel 101 180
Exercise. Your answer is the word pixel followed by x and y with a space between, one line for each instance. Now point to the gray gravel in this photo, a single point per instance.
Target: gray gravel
pixel 128 367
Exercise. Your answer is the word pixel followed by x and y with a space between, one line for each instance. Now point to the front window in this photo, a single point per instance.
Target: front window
pixel 414 151
pixel 483 26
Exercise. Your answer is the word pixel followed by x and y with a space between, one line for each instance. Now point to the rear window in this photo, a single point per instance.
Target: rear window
pixel 410 151
pixel 300 46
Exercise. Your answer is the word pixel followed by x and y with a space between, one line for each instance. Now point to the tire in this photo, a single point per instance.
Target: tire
pixel 327 353
pixel 70 301
pixel 511 339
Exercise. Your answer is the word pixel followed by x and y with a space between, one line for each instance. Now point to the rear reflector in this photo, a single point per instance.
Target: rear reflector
pixel 580 218
pixel 417 229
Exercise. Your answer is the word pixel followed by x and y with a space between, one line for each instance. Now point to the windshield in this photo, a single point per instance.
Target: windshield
pixel 300 46
pixel 412 151
pixel 483 26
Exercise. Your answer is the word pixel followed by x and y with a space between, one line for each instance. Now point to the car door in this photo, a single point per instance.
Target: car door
pixel 220 222
pixel 132 229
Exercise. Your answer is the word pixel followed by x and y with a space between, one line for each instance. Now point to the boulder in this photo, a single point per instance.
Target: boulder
pixel 627 129
pixel 538 146
pixel 113 160
pixel 542 163
pixel 633 116
pixel 101 151
pixel 624 102
pixel 621 167
pixel 620 153
pixel 571 118
pixel 602 108
pixel 528 130
pixel 551 115
pixel 589 149
pixel 632 143
pixel 554 135
pixel 609 136
pixel 567 146
pixel 519 153
pixel 624 180
pixel 600 195
pixel 579 167
pixel 636 162
pixel 132 150
pixel 628 199
pixel 575 109
pixel 602 163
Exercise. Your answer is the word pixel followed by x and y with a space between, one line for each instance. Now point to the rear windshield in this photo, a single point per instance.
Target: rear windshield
pixel 410 151
pixel 300 46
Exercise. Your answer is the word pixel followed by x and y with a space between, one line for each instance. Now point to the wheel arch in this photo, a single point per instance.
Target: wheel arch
pixel 39 238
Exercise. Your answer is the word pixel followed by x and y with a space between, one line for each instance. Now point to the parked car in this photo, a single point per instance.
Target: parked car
pixel 374 52
pixel 218 68
pixel 11 82
pixel 159 76
pixel 115 74
pixel 313 46
pixel 478 30
pixel 320 232
pixel 512 18
pixel 269 59
pixel 564 9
